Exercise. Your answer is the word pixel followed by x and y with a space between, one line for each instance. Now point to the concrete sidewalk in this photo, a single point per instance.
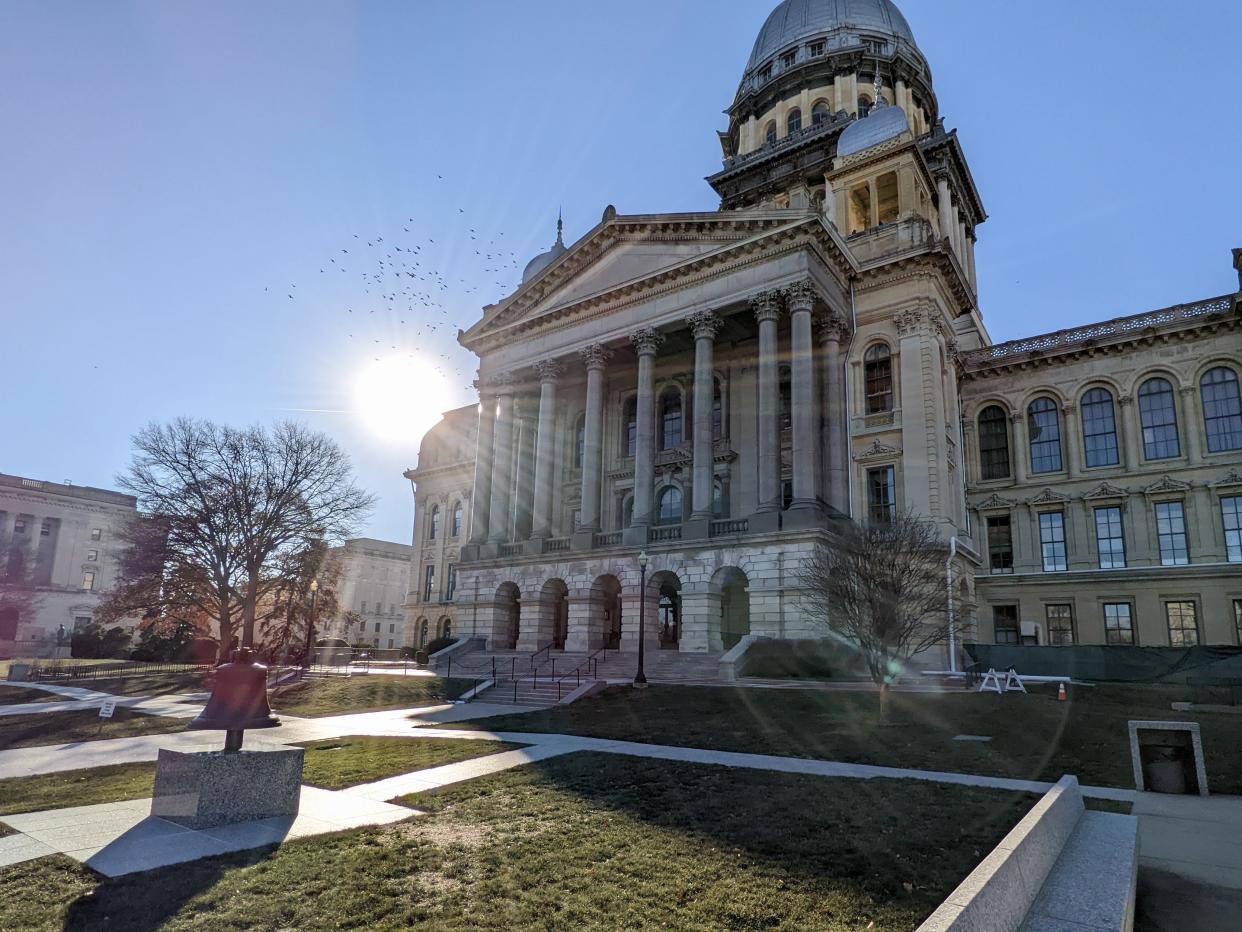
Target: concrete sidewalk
pixel 1195 837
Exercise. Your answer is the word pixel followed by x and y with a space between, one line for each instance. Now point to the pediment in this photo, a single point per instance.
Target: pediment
pixel 1167 484
pixel 1048 497
pixel 1107 490
pixel 627 255
pixel 1232 479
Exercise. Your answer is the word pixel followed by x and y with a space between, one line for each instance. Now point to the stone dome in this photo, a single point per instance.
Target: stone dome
pixel 545 259
pixel 882 124
pixel 797 20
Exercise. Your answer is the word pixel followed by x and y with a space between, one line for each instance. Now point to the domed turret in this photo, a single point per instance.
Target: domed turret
pixel 545 259
pixel 840 23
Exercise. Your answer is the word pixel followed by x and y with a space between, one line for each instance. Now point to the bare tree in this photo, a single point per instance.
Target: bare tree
pixel 285 615
pixel 236 508
pixel 882 588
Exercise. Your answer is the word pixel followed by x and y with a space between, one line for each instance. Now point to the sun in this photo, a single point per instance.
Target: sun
pixel 400 398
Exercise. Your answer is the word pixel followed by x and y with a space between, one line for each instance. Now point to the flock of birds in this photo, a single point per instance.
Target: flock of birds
pixel 403 299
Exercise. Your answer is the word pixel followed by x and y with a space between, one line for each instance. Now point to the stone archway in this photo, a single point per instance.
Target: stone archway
pixel 664 592
pixel 733 620
pixel 506 617
pixel 605 626
pixel 554 614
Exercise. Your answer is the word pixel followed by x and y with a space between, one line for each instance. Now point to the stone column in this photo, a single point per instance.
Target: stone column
pixel 646 343
pixel 946 210
pixel 1020 451
pixel 1073 441
pixel 1190 425
pixel 807 500
pixel 704 325
pixel 502 459
pixel 545 448
pixel 767 309
pixel 1127 423
pixel 596 358
pixel 833 330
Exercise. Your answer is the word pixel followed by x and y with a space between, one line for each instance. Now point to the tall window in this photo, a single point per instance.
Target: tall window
pixel 786 394
pixel 1158 415
pixel 88 581
pixel 1110 538
pixel 994 443
pixel 1000 544
pixel 625 512
pixel 1237 618
pixel 1060 625
pixel 718 508
pixel 1044 425
pixel 630 419
pixel 670 419
pixel 450 582
pixel 1183 624
pixel 878 371
pixel 1231 518
pixel 1118 624
pixel 457 519
pixel 429 582
pixel 1099 428
pixel 769 134
pixel 1005 624
pixel 717 410
pixel 794 123
pixel 579 440
pixel 1052 541
pixel 433 526
pixel 1222 410
pixel 882 494
pixel 96 533
pixel 821 113
pixel 1171 529
pixel 670 506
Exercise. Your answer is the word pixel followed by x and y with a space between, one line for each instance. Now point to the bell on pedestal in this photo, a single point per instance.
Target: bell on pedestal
pixel 238 701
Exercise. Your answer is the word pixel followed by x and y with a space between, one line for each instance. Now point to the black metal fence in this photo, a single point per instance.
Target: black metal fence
pixel 43 670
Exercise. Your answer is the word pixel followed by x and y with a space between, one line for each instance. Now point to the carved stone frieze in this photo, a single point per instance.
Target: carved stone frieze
pixel 877 451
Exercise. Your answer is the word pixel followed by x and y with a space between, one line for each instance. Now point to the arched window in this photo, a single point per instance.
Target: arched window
pixel 422 634
pixel 786 390
pixel 669 511
pixel 769 134
pixel 446 629
pixel 629 420
pixel 670 419
pixel 433 528
pixel 1099 428
pixel 878 372
pixel 864 106
pixel 1044 427
pixel 579 440
pixel 718 508
pixel 1158 415
pixel 793 122
pixel 457 519
pixel 625 512
pixel 1222 410
pixel 994 443
pixel 717 410
pixel 821 113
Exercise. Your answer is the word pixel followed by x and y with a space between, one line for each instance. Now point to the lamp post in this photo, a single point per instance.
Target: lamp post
pixel 310 627
pixel 640 680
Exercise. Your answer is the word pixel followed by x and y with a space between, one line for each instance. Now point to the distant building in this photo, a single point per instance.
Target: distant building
pixel 442 521
pixel 61 540
pixel 375 575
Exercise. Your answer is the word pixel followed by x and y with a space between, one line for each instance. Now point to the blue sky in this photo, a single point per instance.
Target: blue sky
pixel 173 171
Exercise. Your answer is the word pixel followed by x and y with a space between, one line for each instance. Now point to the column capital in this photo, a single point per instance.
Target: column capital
pixel 910 322
pixel 833 326
pixel 549 370
pixel 1069 408
pixel 595 356
pixel 502 383
pixel 1125 400
pixel 647 341
pixel 766 305
pixel 704 325
pixel 801 296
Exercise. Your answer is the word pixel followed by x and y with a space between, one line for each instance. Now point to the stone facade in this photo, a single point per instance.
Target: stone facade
pixel 715 389
pixel 61 540
pixel 374 578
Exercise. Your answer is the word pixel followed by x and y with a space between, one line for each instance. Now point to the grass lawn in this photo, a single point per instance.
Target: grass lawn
pixel 371 693
pixel 24 731
pixel 17 695
pixel 67 788
pixel 578 842
pixel 147 684
pixel 1033 736
pixel 341 762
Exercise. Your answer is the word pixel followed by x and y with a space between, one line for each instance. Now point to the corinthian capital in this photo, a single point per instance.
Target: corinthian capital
pixel 595 356
pixel 833 326
pixel 502 383
pixel 647 341
pixel 704 325
pixel 910 322
pixel 549 370
pixel 801 296
pixel 766 305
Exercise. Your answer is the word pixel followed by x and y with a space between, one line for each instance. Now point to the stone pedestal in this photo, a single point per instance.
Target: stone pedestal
pixel 204 790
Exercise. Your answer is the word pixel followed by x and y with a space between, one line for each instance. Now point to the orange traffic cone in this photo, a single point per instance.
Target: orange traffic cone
pixel 1061 693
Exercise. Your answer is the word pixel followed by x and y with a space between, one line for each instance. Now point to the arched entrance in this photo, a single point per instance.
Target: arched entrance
pixel 606 612
pixel 666 588
pixel 732 585
pixel 422 633
pixel 554 613
pixel 507 619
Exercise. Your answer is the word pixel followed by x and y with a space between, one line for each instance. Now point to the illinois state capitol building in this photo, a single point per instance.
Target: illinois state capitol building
pixel 717 388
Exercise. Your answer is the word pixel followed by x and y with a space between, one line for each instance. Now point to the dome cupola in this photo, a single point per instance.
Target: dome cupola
pixel 545 259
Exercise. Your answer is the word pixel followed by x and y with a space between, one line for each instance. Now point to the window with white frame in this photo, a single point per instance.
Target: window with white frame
pixel 1000 544
pixel 1171 530
pixel 1052 541
pixel 882 494
pixel 1110 538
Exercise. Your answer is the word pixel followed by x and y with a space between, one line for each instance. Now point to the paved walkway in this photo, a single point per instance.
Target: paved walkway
pixel 77 699
pixel 1195 837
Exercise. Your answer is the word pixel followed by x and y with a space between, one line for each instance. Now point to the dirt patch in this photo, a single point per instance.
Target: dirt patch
pixel 445 834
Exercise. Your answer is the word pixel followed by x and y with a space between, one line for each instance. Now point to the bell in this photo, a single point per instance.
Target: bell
pixel 238 700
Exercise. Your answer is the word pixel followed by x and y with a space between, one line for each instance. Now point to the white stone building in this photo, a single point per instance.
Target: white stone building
pixel 61 540
pixel 373 581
